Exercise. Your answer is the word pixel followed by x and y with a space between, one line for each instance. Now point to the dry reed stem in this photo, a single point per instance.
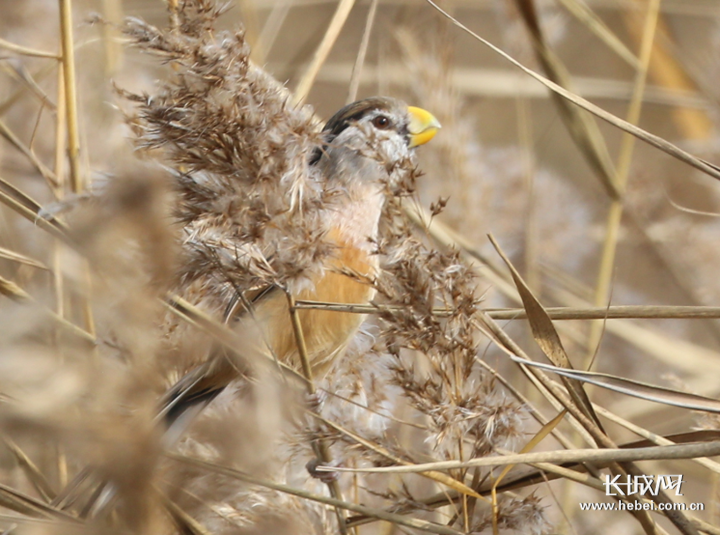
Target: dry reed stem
pixel 593 455
pixel 434 475
pixel 661 347
pixel 657 439
pixel 362 52
pixel 664 67
pixel 26 51
pixel 323 50
pixel 27 151
pixel 615 211
pixel 555 313
pixel 641 134
pixel 421 525
pixel 504 342
pixel 70 92
pixel 320 445
pixel 271 30
pixel 581 126
pixel 584 13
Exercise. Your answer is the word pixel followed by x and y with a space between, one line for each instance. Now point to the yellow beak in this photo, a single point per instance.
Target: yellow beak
pixel 423 126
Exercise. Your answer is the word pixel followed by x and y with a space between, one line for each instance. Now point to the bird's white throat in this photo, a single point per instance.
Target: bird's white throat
pixel 357 215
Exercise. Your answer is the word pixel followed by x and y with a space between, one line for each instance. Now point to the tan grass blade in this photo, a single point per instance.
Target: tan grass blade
pixel 24 205
pixel 22 74
pixel 651 139
pixel 660 346
pixel 187 524
pixel 669 72
pixel 320 445
pixel 33 473
pixel 12 291
pixel 22 503
pixel 539 436
pixel 503 83
pixel 547 337
pixel 270 30
pixel 13 256
pixel 536 439
pixel 638 389
pixel 653 438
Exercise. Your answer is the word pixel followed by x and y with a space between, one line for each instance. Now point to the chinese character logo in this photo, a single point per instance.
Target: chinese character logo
pixel 642 485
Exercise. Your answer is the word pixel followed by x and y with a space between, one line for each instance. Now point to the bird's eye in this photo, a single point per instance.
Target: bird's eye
pixel 381 122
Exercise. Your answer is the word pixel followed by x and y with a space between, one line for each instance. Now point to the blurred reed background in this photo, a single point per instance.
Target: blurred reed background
pixel 588 215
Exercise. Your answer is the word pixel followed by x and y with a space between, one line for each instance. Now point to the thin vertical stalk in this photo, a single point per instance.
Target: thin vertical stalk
pixel 68 62
pixel 270 31
pixel 362 52
pixel 614 216
pixel 323 50
pixel 322 450
pixel 57 277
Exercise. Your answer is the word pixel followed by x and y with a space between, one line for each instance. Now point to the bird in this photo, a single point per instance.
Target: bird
pixel 363 145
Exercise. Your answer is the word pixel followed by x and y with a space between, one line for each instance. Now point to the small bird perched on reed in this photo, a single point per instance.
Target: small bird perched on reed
pixel 365 146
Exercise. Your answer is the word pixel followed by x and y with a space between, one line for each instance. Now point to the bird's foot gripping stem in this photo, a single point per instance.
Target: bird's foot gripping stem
pixel 326 477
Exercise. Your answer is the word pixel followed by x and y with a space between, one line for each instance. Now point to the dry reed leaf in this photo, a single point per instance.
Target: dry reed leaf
pixel 580 124
pixel 656 141
pixel 637 389
pixel 547 337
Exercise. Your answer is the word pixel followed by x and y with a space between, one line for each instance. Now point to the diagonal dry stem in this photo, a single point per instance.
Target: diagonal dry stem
pixel 362 52
pixel 647 137
pixel 323 50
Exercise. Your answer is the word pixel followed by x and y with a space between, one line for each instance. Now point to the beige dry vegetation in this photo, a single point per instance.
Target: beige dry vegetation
pixel 143 185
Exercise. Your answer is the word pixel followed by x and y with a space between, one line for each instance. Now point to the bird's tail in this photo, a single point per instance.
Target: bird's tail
pixel 191 394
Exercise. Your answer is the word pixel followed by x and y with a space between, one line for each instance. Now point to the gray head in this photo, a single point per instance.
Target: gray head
pixel 384 130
